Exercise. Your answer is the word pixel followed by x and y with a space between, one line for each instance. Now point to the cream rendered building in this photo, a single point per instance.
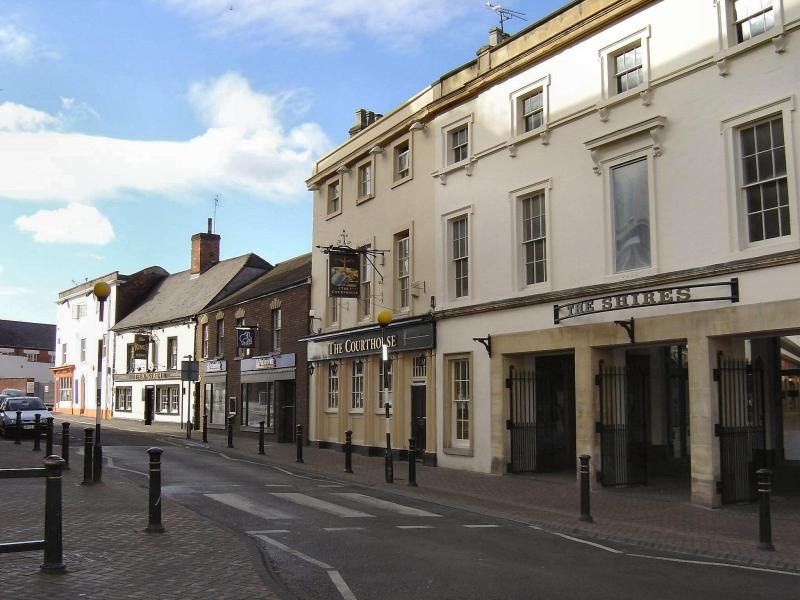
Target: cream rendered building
pixel 375 193
pixel 617 217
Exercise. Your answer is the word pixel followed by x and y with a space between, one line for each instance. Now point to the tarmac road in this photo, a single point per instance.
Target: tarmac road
pixel 326 539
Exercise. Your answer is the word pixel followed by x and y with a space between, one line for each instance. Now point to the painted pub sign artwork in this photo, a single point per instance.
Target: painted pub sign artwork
pixel 344 274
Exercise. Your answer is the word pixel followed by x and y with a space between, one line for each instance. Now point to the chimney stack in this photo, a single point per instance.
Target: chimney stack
pixel 205 251
pixel 364 118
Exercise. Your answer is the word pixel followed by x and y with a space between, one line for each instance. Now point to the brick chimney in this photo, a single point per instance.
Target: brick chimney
pixel 364 118
pixel 205 251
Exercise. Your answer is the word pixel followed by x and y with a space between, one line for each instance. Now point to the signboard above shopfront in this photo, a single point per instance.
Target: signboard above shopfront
pixel 684 294
pixel 418 335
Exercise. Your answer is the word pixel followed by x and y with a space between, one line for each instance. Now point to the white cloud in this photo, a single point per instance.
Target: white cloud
pixel 75 224
pixel 245 148
pixel 18 117
pixel 15 45
pixel 13 291
pixel 329 23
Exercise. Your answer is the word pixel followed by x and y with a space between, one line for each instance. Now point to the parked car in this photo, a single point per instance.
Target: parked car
pixel 29 406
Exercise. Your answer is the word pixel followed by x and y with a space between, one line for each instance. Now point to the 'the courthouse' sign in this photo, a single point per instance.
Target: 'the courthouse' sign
pixel 414 336
pixel 655 297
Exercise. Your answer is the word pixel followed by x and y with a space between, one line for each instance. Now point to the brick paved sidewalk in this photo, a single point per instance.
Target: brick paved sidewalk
pixel 108 556
pixel 646 517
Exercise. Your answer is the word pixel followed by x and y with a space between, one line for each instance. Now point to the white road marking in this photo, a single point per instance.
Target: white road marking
pixel 481 526
pixel 277 485
pixel 293 552
pixel 344 590
pixel 331 485
pixel 298 475
pixel 341 528
pixel 245 505
pixel 588 543
pixel 111 465
pixel 340 584
pixel 713 564
pixel 267 531
pixel 324 506
pixel 386 505
pixel 414 526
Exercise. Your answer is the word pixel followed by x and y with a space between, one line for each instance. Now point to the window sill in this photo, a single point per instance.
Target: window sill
pixel 643 91
pixel 399 182
pixel 330 216
pixel 331 411
pixel 536 288
pixel 364 199
pixel 774 35
pixel 521 137
pixel 460 451
pixel 356 411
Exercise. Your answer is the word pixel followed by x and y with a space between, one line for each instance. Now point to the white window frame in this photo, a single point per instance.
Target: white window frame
pixel 357 386
pixel 517 109
pixel 783 107
pixel 449 267
pixel 447 130
pixel 454 441
pixel 608 80
pixel 204 334
pixel 362 194
pixel 396 178
pixel 79 310
pixel 31 355
pixel 610 165
pixel 726 31
pixel 83 349
pixel 277 326
pixel 336 181
pixel 518 251
pixel 333 386
pixel 220 338
pixel 403 279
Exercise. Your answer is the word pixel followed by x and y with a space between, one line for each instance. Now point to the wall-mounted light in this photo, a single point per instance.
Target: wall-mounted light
pixel 343 169
pixel 376 150
pixel 417 126
pixel 310 368
pixel 313 187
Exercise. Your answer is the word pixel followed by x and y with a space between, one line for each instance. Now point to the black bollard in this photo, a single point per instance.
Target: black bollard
pixel 48 438
pixel 412 462
pixel 53 544
pixel 205 428
pixel 37 431
pixel 348 451
pixel 586 511
pixel 65 444
pixel 261 437
pixel 88 442
pixel 18 428
pixel 154 498
pixel 230 431
pixel 764 517
pixel 388 459
pixel 299 440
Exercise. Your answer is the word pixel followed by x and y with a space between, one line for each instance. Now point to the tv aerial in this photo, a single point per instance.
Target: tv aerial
pixel 504 13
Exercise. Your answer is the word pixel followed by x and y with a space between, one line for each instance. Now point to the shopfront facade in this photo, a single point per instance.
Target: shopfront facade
pixel 351 385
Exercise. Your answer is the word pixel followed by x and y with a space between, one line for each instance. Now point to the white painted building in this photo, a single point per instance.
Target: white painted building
pixel 85 341
pixel 618 219
pixel 159 334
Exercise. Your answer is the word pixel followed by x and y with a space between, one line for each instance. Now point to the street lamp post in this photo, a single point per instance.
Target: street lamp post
pixel 101 291
pixel 384 318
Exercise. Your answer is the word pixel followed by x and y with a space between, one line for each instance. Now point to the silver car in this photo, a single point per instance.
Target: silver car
pixel 29 406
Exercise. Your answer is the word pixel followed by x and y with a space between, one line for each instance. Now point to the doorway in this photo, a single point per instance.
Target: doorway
pixel 149 404
pixel 542 415
pixel 418 417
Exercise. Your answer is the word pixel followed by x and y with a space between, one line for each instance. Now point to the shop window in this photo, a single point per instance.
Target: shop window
pixel 333 386
pixel 215 403
pixel 357 387
pixel 258 404
pixel 167 399
pixel 123 402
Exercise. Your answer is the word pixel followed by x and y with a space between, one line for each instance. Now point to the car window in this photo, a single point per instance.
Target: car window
pixel 26 404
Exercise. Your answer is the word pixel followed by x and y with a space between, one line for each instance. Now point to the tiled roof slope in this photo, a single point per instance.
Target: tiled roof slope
pixel 32 336
pixel 183 295
pixel 289 272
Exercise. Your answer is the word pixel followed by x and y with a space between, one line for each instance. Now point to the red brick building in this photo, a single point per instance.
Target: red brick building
pixel 267 381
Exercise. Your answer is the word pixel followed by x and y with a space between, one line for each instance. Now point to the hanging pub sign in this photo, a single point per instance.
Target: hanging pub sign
pixel 681 294
pixel 344 274
pixel 246 337
pixel 140 343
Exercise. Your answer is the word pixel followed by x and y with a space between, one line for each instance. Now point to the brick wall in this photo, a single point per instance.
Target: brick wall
pixel 294 325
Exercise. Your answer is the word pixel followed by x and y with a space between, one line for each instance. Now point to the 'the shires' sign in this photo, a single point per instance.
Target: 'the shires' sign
pixel 655 297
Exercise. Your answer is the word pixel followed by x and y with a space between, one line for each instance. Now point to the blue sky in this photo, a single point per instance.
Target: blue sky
pixel 121 120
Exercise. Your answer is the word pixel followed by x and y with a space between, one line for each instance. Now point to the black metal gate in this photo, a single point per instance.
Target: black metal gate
pixel 541 423
pixel 624 402
pixel 740 388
